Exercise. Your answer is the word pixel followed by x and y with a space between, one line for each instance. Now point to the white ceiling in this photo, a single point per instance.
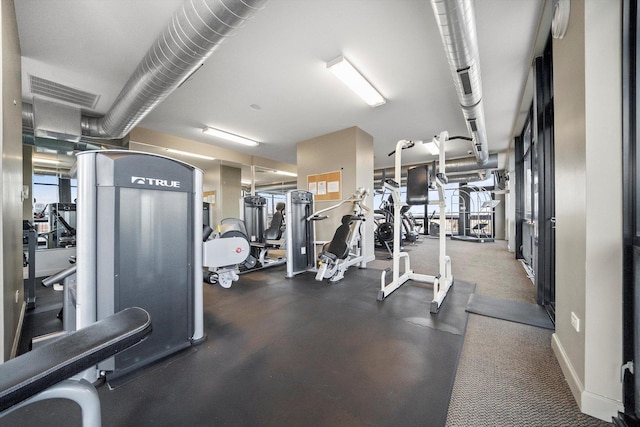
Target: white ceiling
pixel 278 62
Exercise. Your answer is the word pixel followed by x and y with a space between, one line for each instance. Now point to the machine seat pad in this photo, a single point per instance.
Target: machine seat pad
pixel 59 360
pixel 338 245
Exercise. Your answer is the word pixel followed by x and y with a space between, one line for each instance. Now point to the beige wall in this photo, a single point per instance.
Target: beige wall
pixel 157 142
pixel 12 299
pixel 351 152
pixel 230 191
pixel 588 205
pixel 225 180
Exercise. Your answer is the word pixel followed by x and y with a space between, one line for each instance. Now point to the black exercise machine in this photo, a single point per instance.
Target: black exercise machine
pixel 50 371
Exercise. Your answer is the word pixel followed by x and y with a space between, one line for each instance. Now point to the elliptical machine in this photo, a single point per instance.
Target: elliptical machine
pixel 347 246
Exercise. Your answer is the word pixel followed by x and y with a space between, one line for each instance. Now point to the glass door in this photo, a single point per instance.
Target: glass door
pixel 544 181
pixel 535 187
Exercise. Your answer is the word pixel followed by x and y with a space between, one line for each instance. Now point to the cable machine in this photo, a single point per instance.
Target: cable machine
pixel 443 281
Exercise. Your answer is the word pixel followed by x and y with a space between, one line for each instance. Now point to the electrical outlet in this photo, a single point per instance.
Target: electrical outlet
pixel 575 322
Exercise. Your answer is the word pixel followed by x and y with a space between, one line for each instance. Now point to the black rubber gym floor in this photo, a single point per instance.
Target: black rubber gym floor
pixel 295 352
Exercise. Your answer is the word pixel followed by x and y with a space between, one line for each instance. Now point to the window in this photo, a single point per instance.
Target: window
pixel 45 191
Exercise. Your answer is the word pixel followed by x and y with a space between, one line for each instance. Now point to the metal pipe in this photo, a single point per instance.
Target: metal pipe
pixel 456 23
pixel 196 29
pixel 453 166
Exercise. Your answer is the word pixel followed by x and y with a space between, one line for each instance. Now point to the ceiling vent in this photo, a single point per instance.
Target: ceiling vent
pixel 56 121
pixel 60 92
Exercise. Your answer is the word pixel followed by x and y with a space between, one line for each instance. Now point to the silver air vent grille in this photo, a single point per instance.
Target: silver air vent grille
pixel 60 92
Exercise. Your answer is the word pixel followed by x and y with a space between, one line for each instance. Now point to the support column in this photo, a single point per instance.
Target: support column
pixel 349 151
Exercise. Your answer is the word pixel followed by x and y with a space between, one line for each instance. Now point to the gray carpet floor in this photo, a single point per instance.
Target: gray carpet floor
pixel 508 374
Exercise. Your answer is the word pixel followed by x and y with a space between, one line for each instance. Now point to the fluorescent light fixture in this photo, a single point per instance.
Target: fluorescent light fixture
pixel 355 81
pixel 432 147
pixel 285 173
pixel 186 153
pixel 230 136
pixel 45 161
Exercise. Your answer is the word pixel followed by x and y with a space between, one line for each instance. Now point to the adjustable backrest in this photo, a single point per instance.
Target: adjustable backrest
pixel 274 232
pixel 338 245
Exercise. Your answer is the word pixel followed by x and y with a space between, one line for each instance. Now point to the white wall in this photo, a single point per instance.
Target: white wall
pixel 588 117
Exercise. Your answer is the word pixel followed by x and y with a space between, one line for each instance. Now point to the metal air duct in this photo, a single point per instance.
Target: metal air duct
pixel 195 31
pixel 456 23
pixel 468 164
pixel 452 166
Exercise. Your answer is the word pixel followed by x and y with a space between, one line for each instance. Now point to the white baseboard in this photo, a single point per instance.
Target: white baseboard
pixel 589 403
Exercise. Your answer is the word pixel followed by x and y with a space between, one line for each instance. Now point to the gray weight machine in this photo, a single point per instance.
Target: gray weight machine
pixel 262 238
pixel 139 239
pixel 300 233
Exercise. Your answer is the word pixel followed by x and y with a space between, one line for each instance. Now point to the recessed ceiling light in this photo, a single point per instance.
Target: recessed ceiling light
pixel 285 173
pixel 230 136
pixel 355 81
pixel 432 147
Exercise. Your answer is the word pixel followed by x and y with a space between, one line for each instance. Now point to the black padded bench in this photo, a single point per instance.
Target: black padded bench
pixel 46 372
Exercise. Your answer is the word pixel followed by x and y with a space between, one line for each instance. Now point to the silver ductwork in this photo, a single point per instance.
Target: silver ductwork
pixel 456 23
pixel 195 31
pixel 468 164
pixel 466 167
pixel 468 177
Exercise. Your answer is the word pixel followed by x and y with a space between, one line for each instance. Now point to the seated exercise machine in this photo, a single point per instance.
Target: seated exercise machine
pixel 263 239
pixel 443 281
pixel 52 371
pixel 223 255
pixel 347 246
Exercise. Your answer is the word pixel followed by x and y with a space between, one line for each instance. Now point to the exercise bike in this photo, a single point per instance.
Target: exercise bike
pixel 346 248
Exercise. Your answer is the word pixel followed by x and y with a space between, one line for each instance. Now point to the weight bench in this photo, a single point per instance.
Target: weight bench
pixel 48 372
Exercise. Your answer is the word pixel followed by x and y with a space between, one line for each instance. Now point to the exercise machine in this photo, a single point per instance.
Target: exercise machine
pixel 386 213
pixel 263 239
pixel 223 255
pixel 442 281
pixel 51 372
pixel 300 233
pixel 476 208
pixel 346 248
pixel 139 240
pixel 29 243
